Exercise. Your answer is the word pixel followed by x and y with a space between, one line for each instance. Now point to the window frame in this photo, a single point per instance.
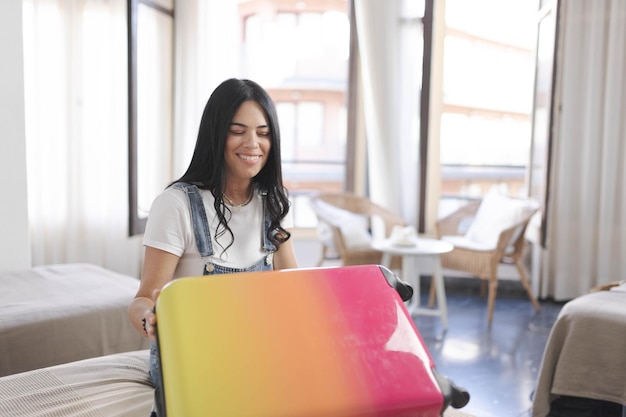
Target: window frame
pixel 136 224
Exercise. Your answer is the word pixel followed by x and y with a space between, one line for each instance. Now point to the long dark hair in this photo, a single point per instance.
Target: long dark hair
pixel 207 168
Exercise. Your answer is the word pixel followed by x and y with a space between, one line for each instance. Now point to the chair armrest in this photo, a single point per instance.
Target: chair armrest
pixel 450 224
pixel 389 218
pixel 514 236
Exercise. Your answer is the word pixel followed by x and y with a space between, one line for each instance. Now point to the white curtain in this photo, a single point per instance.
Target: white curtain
pixel 76 133
pixel 207 53
pixel 390 42
pixel 586 240
pixel 77 123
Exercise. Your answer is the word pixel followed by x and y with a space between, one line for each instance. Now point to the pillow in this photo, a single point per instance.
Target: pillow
pixel 355 234
pixel 495 214
pixel 464 243
pixel 354 227
pixel 325 234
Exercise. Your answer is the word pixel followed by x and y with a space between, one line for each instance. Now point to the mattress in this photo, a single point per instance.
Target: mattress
pixel 63 313
pixel 110 386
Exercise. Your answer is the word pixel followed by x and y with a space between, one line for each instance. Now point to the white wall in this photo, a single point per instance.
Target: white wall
pixel 14 234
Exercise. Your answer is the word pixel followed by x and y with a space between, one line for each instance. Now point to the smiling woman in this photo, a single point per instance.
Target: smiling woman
pixel 228 213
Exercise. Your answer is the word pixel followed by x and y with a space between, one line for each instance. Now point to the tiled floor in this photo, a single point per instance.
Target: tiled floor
pixel 498 365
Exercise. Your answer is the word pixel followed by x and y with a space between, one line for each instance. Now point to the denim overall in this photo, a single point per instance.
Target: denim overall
pixel 205 247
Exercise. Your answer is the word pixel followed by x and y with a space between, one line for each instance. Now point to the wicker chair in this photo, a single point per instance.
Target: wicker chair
pixel 366 210
pixel 483 263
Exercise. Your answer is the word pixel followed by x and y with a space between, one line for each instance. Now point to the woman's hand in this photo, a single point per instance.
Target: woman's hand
pixel 285 256
pixel 149 319
pixel 158 270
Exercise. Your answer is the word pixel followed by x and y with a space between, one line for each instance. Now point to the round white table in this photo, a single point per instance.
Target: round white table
pixel 422 247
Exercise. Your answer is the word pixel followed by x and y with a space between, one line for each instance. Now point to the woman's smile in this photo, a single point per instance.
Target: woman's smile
pixel 248 142
pixel 252 158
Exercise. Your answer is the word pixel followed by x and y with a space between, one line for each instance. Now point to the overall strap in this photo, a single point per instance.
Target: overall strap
pixel 199 219
pixel 268 246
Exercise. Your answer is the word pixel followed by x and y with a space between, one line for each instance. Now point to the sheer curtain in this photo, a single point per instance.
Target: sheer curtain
pixel 586 237
pixel 389 38
pixel 76 133
pixel 77 123
pixel 207 53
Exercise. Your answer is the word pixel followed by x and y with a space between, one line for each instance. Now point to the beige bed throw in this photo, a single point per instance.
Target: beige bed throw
pixel 586 352
pixel 63 313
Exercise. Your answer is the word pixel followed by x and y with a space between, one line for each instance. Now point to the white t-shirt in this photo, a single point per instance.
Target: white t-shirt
pixel 170 228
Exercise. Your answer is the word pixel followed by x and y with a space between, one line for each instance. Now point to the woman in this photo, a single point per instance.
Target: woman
pixel 228 212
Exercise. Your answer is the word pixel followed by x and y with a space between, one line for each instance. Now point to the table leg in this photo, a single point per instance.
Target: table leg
pixel 386 259
pixel 411 277
pixel 441 309
pixel 441 292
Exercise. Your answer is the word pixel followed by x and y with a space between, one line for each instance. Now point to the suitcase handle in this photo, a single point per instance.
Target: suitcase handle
pixel 453 395
pixel 404 290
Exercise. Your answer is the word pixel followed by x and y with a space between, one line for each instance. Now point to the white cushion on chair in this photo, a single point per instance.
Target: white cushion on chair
pixel 465 243
pixel 325 234
pixel 354 227
pixel 495 214
pixel 355 235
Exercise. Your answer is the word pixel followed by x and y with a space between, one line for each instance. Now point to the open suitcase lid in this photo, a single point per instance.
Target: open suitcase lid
pixel 305 342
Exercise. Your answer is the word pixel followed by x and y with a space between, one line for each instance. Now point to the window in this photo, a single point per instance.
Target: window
pixel 489 66
pixel 539 171
pixel 150 106
pixel 299 51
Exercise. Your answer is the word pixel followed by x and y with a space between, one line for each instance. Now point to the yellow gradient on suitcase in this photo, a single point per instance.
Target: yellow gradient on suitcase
pixel 265 344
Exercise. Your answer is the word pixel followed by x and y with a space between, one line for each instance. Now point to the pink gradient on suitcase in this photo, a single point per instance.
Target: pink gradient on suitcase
pixel 349 347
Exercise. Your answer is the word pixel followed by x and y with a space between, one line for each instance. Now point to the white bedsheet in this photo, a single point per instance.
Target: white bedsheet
pixel 110 386
pixel 62 313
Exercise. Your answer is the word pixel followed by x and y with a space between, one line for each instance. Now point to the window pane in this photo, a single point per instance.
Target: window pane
pixel 488 94
pixel 299 52
pixel 287 121
pixel 310 125
pixel 154 104
pixel 309 161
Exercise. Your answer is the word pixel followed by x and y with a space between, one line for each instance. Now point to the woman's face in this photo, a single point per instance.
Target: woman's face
pixel 248 142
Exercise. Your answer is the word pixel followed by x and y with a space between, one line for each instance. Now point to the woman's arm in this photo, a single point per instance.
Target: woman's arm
pixel 285 256
pixel 158 270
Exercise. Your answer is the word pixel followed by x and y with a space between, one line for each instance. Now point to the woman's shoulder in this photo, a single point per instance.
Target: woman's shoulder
pixel 178 194
pixel 173 193
pixel 169 198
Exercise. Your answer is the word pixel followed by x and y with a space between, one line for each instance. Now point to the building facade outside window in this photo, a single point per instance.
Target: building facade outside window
pixel 299 51
pixel 489 65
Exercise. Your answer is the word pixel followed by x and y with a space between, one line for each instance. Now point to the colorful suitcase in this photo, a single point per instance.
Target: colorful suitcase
pixel 319 342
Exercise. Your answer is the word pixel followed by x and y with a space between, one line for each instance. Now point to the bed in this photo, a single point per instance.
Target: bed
pixel 585 357
pixel 67 348
pixel 110 386
pixel 106 386
pixel 62 313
